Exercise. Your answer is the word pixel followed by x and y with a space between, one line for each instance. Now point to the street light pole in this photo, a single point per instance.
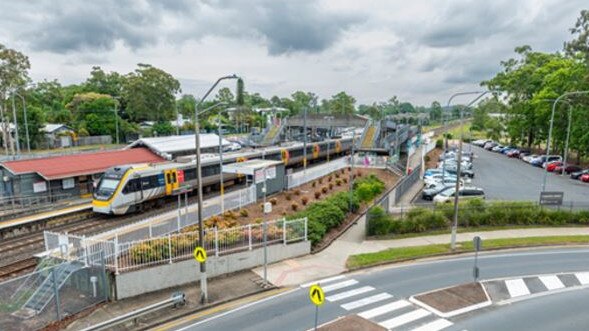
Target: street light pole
pixel 15 126
pixel 203 276
pixel 550 131
pixel 446 134
pixel 458 166
pixel 24 102
pixel 566 148
pixel 305 140
pixel 117 118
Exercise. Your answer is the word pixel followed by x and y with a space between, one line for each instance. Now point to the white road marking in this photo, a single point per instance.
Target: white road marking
pixel 384 309
pixel 350 293
pixel 517 287
pixel 405 318
pixel 583 277
pixel 436 325
pixel 366 301
pixel 323 281
pixel 551 282
pixel 339 285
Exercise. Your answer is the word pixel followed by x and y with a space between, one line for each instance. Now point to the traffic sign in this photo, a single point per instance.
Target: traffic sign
pixel 200 254
pixel 316 295
pixel 476 241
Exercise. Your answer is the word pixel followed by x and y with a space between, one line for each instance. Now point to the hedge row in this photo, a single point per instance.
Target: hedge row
pixel 473 213
pixel 331 212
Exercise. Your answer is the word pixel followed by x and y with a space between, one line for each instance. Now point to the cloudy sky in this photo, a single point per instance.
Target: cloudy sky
pixel 419 50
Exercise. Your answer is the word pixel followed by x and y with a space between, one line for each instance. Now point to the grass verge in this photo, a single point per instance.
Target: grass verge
pixel 392 255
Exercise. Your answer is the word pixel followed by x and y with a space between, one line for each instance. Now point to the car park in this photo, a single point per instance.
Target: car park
pixel 578 174
pixel 464 193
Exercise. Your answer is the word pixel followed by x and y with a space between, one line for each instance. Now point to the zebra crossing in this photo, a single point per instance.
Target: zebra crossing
pixel 379 307
pixel 518 288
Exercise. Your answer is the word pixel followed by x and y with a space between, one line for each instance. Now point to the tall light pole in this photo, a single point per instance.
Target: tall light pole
pixel 328 119
pixel 458 166
pixel 550 131
pixel 566 148
pixel 15 126
pixel 24 102
pixel 203 268
pixel 117 102
pixel 305 140
pixel 446 134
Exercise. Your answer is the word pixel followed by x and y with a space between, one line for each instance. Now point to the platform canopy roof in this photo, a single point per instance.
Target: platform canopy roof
pixel 249 167
pixel 168 147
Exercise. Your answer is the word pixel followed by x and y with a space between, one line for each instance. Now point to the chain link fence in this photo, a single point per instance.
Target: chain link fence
pixel 55 290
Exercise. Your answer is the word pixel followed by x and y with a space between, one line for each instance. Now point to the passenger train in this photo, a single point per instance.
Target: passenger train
pixel 128 188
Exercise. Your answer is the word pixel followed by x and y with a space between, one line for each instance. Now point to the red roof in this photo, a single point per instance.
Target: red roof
pixel 81 164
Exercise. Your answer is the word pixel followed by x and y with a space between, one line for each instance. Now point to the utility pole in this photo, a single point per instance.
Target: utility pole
pixel 305 140
pixel 15 126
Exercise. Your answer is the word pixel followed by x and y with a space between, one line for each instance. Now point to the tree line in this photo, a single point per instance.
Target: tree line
pixel 530 82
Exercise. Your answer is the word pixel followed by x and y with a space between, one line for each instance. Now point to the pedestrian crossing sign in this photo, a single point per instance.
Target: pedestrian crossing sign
pixel 316 295
pixel 200 254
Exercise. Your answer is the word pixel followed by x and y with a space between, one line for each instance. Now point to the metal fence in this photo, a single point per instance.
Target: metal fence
pixel 373 161
pixel 52 292
pixel 131 255
pixel 174 221
pixel 305 176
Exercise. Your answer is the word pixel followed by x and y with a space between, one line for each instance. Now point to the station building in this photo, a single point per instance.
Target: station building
pixel 65 176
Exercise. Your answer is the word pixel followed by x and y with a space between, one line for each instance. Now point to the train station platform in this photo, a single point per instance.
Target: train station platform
pixel 83 204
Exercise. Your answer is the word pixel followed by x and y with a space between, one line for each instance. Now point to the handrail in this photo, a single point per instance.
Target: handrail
pixel 176 299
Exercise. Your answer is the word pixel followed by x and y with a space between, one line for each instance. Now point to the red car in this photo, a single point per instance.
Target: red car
pixel 569 169
pixel 552 166
pixel 585 178
pixel 513 153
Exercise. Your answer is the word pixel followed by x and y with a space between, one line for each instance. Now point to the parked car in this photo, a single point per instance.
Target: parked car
pixel 513 153
pixel 550 159
pixel 585 178
pixel 497 148
pixel 568 169
pixel 447 181
pixel 528 158
pixel 430 193
pixel 431 172
pixel 578 174
pixel 464 193
pixel 488 146
pixel 550 166
pixel 463 172
pixel 506 149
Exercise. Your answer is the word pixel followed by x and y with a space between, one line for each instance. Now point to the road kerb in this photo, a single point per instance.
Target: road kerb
pixel 455 312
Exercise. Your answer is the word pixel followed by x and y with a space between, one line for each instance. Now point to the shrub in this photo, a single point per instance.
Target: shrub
pixel 304 201
pixel 294 206
pixel 142 253
pixel 274 201
pixel 427 158
pixel 379 223
pixel 288 196
pixel 262 207
pixel 326 213
pixel 338 182
pixel 329 178
pixel 440 143
pixel 258 220
pixel 297 192
pixel 244 213
pixel 337 175
pixel 331 186
pixel 229 214
pixel 320 180
pixel 345 180
pixel 313 184
pixel 324 189
pixel 315 231
pixel 317 194
pixel 359 173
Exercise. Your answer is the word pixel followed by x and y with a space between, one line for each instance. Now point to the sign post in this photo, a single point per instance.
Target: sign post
pixel 200 255
pixel 317 298
pixel 477 243
pixel 551 198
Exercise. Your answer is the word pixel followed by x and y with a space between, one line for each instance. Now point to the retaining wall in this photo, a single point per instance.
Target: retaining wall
pixel 164 276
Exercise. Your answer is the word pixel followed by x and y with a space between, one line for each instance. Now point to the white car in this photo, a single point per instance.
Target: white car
pixel 529 158
pixel 464 193
pixel 447 181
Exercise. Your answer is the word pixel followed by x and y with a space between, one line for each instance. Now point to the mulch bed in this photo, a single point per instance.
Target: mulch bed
pixel 351 323
pixel 454 298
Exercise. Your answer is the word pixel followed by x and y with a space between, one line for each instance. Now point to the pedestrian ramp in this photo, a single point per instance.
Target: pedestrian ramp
pixel 380 307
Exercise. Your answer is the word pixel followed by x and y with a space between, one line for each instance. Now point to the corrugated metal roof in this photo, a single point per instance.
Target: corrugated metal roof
pixel 167 146
pixel 80 164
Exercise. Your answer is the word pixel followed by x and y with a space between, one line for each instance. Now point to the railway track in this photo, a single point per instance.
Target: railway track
pixel 18 268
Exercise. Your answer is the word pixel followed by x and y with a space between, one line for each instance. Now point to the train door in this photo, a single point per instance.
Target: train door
pixel 172 183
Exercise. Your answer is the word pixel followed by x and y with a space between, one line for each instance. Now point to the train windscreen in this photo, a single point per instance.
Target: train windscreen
pixel 106 188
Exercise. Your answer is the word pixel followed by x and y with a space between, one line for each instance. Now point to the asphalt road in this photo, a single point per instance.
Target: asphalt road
pixel 293 311
pixel 504 178
pixel 563 311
